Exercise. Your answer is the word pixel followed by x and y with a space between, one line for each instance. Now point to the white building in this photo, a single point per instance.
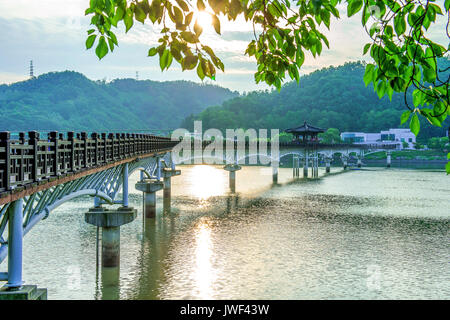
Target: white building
pixel 391 136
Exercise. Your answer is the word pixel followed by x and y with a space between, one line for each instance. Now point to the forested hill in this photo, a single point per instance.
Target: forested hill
pixel 70 101
pixel 333 97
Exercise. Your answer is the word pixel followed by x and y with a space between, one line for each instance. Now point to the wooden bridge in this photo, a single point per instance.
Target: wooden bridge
pixel 39 174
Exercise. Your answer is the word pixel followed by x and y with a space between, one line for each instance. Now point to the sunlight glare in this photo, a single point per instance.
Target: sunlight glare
pixel 208 182
pixel 204 19
pixel 204 274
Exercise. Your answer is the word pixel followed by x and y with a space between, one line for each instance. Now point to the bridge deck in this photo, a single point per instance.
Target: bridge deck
pixel 31 165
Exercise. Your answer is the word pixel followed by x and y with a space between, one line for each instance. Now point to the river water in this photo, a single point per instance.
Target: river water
pixel 363 234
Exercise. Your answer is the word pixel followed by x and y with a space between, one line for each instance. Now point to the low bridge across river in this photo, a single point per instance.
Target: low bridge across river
pixel 39 174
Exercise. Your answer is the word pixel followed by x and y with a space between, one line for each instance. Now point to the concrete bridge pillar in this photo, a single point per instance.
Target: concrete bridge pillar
pixel 232 168
pixel 327 165
pixel 344 162
pixel 316 165
pixel 388 159
pixel 110 222
pixel 149 187
pixel 359 163
pixel 167 185
pixel 305 165
pixel 275 166
pixel 14 288
pixel 15 241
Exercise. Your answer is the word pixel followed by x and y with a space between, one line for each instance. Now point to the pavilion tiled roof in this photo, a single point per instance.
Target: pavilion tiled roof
pixel 305 128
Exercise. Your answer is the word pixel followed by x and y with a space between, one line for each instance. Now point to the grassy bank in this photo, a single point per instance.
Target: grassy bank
pixel 410 155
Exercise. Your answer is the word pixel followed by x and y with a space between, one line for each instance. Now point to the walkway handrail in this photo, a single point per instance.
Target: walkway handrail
pixel 338 145
pixel 30 160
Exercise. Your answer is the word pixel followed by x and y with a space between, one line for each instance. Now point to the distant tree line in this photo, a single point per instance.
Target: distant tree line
pixel 70 101
pixel 333 97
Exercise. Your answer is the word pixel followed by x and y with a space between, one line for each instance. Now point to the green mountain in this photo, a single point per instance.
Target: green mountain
pixel 333 97
pixel 68 100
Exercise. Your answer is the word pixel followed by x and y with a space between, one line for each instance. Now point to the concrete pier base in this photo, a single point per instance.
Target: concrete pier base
pixel 388 160
pixel 359 163
pixel 232 168
pixel 167 185
pixel 327 166
pixel 110 283
pixel 149 187
pixel 344 163
pixel 110 222
pixel 110 247
pixel 28 292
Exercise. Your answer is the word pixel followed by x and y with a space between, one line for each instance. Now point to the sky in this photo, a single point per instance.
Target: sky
pixel 52 33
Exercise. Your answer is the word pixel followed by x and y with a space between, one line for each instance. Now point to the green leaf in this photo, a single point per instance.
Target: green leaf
pixel 405 116
pixel 189 62
pixel 183 5
pixel 417 97
pixel 353 7
pixel 414 124
pixel 189 37
pixel 152 52
pixel 447 5
pixel 216 23
pixel 102 48
pixel 197 29
pixel 164 59
pixel 448 156
pixel 381 89
pixel 200 72
pixel 139 14
pixel 200 5
pixel 90 41
pixel 128 20
pixel 399 24
pixel 447 167
pixel 366 48
pixel 429 74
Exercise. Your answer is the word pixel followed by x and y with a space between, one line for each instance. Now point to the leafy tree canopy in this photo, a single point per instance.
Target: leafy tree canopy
pixel 403 56
pixel 332 135
pixel 70 101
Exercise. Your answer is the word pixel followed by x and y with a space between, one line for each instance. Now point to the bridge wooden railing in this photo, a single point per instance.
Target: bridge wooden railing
pixel 337 145
pixel 29 159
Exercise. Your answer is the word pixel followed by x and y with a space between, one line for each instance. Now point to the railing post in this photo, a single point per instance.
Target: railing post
pixel 22 160
pixel 15 241
pixel 54 139
pixel 71 138
pixel 6 143
pixel 105 149
pixel 33 140
pixel 129 144
pixel 111 137
pixel 119 146
pixel 85 151
pixel 63 158
pixel 94 136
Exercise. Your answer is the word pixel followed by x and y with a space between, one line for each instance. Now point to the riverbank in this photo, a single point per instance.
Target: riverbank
pixel 418 155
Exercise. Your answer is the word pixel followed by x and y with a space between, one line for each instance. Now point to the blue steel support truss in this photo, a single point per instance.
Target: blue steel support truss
pixel 26 212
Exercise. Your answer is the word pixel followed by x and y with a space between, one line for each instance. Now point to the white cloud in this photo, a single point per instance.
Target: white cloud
pixel 52 32
pixel 8 77
pixel 32 9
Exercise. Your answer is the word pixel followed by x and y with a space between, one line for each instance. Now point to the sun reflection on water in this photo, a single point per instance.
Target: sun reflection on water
pixel 207 181
pixel 204 272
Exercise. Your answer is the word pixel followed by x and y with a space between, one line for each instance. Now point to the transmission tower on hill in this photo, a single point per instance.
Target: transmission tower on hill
pixel 31 69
